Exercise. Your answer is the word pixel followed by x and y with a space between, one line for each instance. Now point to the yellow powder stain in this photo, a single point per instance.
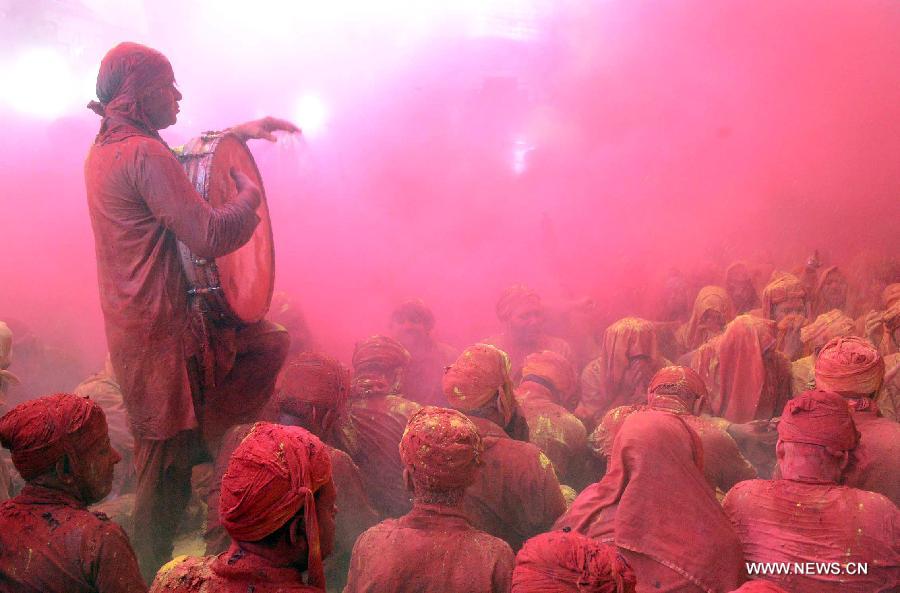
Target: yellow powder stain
pixel 172 564
pixel 544 460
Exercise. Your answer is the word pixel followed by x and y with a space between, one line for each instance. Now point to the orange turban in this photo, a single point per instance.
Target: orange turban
pixel 313 378
pixel 514 297
pixel 783 287
pixel 40 432
pixel 568 562
pixel 819 418
pixel 849 365
pixel 479 376
pixel 442 447
pixel 827 326
pixel 554 368
pixel 272 475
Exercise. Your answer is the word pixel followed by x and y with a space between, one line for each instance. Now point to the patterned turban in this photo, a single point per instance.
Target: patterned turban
pixel 514 297
pixel 442 447
pixel 783 287
pixel 679 382
pixel 313 378
pixel 819 418
pixel 380 352
pixel 549 366
pixel 40 432
pixel 479 376
pixel 272 475
pixel 568 562
pixel 849 365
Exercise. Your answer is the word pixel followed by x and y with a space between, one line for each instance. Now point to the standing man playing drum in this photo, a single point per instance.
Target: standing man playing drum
pixel 178 370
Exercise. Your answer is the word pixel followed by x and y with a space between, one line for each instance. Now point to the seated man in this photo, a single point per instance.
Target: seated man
pixel 522 314
pixel 712 312
pixel 807 516
pixel 411 325
pixel 566 562
pixel 49 541
pixel 853 368
pixel 619 376
pixel 654 503
pixel 517 494
pixel 888 398
pixel 278 506
pixel 312 394
pixel 679 390
pixel 786 302
pixel 549 385
pixel 378 416
pixel 739 284
pixel 813 336
pixel 434 548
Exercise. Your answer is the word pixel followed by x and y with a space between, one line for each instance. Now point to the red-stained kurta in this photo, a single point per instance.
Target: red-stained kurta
pixel 557 432
pixel 231 572
pixel 49 543
pixel 373 437
pixel 140 202
pixel 432 549
pixel 878 456
pixel 786 521
pixel 516 493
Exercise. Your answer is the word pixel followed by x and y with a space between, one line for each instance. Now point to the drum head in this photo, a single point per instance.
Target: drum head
pixel 247 276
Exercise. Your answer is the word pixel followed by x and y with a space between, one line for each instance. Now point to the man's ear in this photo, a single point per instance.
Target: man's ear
pixel 64 471
pixel 845 460
pixel 779 450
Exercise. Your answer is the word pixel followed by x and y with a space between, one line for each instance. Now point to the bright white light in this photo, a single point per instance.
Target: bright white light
pixel 521 148
pixel 311 114
pixel 41 83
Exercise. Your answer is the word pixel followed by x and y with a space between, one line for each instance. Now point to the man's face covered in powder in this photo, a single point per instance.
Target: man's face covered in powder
pixel 160 105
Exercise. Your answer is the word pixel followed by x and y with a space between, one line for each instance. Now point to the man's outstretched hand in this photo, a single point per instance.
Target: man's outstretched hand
pixel 263 129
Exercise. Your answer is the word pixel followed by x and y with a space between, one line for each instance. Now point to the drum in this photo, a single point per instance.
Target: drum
pixel 236 288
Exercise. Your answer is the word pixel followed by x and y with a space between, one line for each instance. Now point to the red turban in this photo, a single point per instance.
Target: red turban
pixel 555 368
pixel 759 586
pixel 313 378
pixel 272 475
pixel 380 352
pixel 479 376
pixel 442 447
pixel 415 309
pixel 514 297
pixel 127 73
pixel 783 287
pixel 601 440
pixel 40 432
pixel 819 418
pixel 849 365
pixel 681 382
pixel 827 326
pixel 570 563
pixel 710 298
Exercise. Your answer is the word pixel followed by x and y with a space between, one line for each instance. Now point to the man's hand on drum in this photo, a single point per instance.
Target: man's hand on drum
pixel 263 129
pixel 246 186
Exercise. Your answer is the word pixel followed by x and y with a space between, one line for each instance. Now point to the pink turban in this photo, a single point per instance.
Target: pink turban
pixel 681 382
pixel 313 378
pixel 442 447
pixel 849 365
pixel 554 368
pixel 415 309
pixel 514 297
pixel 819 418
pixel 40 432
pixel 759 586
pixel 568 562
pixel 783 287
pixel 827 326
